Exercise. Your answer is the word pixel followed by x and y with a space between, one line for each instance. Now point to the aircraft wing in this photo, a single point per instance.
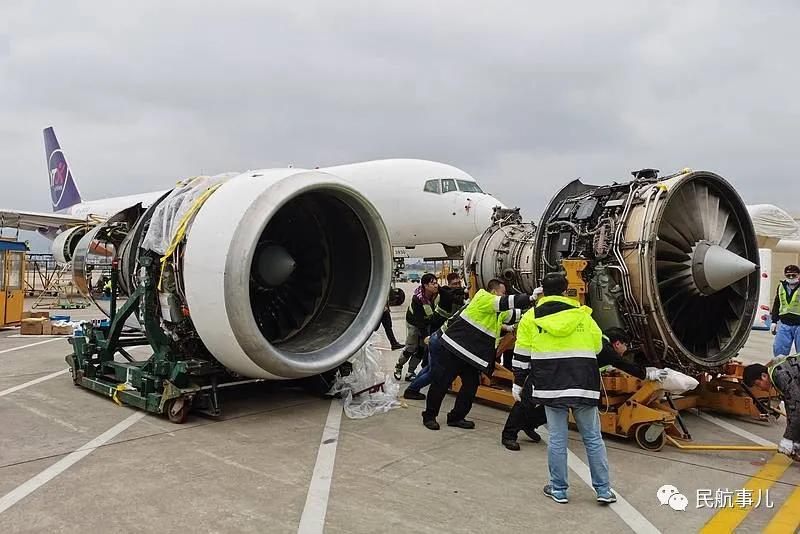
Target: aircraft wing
pixel 32 220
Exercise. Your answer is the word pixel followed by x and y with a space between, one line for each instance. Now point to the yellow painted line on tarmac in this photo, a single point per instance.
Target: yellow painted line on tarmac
pixel 788 517
pixel 727 519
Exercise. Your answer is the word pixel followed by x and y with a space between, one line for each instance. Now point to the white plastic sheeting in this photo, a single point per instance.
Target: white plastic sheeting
pixel 168 214
pixel 367 373
pixel 772 221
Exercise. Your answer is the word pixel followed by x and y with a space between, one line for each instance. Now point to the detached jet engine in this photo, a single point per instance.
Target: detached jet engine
pixel 282 274
pixel 672 259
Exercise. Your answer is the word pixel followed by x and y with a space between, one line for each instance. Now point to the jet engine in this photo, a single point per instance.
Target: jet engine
pixel 64 244
pixel 672 259
pixel 281 273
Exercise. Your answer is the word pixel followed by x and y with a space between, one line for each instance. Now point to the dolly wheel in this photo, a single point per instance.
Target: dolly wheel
pixel 649 445
pixel 177 409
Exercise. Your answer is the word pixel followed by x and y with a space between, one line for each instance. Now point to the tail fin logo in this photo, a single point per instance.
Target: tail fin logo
pixel 59 175
pixel 63 191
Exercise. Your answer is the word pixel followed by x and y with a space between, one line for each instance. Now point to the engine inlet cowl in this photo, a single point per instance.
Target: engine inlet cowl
pixel 286 273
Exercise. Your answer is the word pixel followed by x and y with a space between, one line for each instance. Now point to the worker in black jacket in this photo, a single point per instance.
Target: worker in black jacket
pixel 527 416
pixel 451 299
pixel 418 325
pixel 468 345
pixel 782 373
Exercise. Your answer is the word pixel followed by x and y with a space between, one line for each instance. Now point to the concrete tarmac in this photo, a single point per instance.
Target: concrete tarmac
pixel 250 470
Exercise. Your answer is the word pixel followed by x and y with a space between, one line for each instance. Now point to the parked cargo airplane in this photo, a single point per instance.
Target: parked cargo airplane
pixel 421 202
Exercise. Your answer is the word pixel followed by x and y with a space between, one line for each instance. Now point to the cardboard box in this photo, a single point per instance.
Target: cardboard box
pixel 35 315
pixel 32 326
pixel 65 330
pixel 47 328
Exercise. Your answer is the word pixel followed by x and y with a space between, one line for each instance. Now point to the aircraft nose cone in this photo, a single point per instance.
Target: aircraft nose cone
pixel 715 268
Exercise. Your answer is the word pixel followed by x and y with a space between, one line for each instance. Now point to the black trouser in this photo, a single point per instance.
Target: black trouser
pixel 508 358
pixel 448 367
pixel 386 321
pixel 525 415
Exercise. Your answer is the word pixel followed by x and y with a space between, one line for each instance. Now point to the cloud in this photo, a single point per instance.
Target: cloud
pixel 524 96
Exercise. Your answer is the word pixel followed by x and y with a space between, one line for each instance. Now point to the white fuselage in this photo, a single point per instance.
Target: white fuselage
pixel 397 188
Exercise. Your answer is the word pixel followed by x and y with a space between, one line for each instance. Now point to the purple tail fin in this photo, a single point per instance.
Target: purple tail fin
pixel 63 191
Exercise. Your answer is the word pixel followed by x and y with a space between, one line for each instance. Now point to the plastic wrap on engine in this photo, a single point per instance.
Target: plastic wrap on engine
pixel 168 214
pixel 771 221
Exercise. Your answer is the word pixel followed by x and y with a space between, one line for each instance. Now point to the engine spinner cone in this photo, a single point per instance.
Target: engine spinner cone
pixel 275 265
pixel 715 268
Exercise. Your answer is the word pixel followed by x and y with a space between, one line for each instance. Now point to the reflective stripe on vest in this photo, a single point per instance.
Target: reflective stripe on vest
pixel 788 306
pixel 444 313
pixel 478 315
pixel 428 308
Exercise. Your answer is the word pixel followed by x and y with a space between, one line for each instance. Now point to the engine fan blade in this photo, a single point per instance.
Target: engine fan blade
pixel 669 233
pixel 690 223
pixel 669 252
pixel 722 222
pixel 666 268
pixel 701 199
pixel 679 280
pixel 728 235
pixel 713 215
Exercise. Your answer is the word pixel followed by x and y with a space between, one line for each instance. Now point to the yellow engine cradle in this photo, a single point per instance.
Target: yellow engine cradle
pixel 632 408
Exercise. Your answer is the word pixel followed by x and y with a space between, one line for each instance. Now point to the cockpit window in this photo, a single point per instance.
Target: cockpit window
pixel 448 185
pixel 468 187
pixel 432 186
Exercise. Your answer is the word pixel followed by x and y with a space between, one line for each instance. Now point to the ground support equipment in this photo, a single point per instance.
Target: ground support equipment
pixel 168 382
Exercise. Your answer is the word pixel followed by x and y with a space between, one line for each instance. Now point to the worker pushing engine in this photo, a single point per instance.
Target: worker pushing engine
pixel 783 374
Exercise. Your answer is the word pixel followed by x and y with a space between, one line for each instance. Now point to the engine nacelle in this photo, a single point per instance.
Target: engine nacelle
pixel 284 273
pixel 64 244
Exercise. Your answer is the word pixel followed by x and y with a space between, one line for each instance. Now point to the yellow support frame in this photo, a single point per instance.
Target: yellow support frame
pixel 630 406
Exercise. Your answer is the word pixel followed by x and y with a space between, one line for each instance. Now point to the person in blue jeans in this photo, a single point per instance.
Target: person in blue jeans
pixel 786 313
pixel 559 341
pixel 424 377
pixel 587 419
pixel 451 299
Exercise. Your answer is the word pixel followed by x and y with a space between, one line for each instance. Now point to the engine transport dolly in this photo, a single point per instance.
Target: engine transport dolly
pixel 171 381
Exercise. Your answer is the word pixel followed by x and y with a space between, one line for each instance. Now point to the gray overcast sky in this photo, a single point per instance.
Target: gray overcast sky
pixel 524 96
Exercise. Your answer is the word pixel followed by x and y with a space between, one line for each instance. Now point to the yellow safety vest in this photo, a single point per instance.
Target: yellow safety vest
pixel 428 308
pixel 788 306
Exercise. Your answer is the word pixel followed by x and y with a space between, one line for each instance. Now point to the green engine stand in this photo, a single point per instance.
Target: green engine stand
pixel 168 382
